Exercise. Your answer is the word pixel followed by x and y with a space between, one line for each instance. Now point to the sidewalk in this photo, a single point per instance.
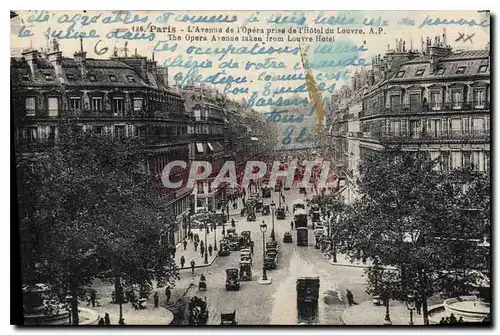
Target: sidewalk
pixel 343 260
pixel 366 313
pixel 189 253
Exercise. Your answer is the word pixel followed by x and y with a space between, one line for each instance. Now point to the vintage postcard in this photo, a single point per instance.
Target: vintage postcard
pixel 252 167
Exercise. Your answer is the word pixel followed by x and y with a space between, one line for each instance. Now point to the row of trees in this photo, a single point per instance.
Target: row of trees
pixel 88 209
pixel 420 226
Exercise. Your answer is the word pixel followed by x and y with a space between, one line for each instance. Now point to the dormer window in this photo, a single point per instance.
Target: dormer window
pixel 400 74
pixel 461 70
pixel 92 78
pixel 131 79
pixel 113 78
pixel 48 76
pixel 482 69
pixel 440 71
pixel 70 76
pixel 419 73
pixel 26 77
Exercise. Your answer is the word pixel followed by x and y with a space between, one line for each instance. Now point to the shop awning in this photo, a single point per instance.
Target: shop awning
pixel 199 147
pixel 210 146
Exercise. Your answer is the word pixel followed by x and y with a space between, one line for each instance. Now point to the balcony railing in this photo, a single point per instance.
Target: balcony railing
pixel 428 136
pixel 91 114
pixel 425 108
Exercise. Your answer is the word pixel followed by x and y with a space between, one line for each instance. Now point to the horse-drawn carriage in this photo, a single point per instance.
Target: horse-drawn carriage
pixel 224 248
pixel 245 270
pixel 198 311
pixel 251 217
pixel 287 237
pixel 266 210
pixel 266 191
pixel 228 319
pixel 281 213
pixel 232 279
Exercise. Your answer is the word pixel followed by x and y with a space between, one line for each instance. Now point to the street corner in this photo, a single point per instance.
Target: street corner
pixel 367 313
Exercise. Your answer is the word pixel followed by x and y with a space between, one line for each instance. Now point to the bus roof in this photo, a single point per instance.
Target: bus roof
pixel 300 212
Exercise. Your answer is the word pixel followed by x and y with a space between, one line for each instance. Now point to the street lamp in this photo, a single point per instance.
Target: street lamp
pixel 215 237
pixel 387 320
pixel 273 206
pixel 206 229
pixel 410 304
pixel 263 229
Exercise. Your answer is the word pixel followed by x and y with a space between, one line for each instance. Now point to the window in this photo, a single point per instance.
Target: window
pixel 395 103
pixel 120 132
pixel 479 98
pixel 477 160
pixel 436 100
pixel 419 73
pixel 96 104
pixel 48 76
pixel 456 98
pixel 30 106
pixel 118 106
pixel 141 131
pixel 415 102
pixel 32 134
pixel 456 159
pixel 75 103
pixel 461 70
pixel 482 69
pixel 99 130
pixel 440 71
pixel 199 184
pixel 400 74
pixel 131 79
pixel 478 124
pixel 26 76
pixel 435 127
pixel 199 147
pixel 137 104
pixel 456 126
pixel 53 106
pixel 113 78
pixel 395 128
pixel 415 128
pixel 51 132
pixel 92 78
pixel 435 157
pixel 70 76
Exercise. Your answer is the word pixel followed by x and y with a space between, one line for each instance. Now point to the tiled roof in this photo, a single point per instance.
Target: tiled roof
pixel 468 54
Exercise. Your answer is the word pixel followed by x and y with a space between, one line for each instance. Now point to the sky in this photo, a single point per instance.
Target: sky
pixel 252 80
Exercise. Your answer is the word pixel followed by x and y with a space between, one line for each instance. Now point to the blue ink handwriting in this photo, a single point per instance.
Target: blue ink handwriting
pixel 187 64
pixel 24 32
pixel 127 35
pixel 43 16
pixel 70 33
pixel 164 46
pixel 196 18
pixel 428 21
pixel 257 49
pixel 279 19
pixel 124 16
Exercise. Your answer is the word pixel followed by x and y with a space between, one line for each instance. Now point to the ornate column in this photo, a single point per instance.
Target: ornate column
pixel 106 102
pixel 128 104
pixel 86 101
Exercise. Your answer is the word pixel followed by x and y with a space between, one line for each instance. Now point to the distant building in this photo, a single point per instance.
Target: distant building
pixel 121 96
pixel 435 100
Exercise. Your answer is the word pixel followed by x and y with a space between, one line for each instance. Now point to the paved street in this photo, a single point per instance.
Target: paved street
pixel 276 303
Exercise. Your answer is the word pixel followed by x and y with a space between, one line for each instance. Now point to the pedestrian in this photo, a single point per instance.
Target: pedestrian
pixel 287 210
pixel 210 250
pixel 167 293
pixel 183 261
pixel 251 247
pixel 202 251
pixel 155 298
pixel 192 266
pixel 418 306
pixel 121 322
pixel 291 224
pixel 235 205
pixel 185 244
pixel 350 298
pixel 453 319
pixel 93 294
pixel 107 321
pixel 173 249
pixel 283 197
pixel 443 321
pixel 461 320
pixel 233 223
pixel 101 322
pixel 195 246
pixel 202 245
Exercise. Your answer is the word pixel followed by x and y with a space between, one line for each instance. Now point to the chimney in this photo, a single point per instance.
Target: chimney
pixel 371 78
pixel 55 58
pixel 436 52
pixel 80 57
pixel 31 56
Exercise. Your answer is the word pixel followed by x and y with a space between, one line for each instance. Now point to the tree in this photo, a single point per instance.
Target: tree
pixel 88 209
pixel 410 216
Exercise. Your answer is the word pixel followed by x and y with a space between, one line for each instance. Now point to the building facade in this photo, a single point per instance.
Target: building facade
pixel 120 97
pixel 435 100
